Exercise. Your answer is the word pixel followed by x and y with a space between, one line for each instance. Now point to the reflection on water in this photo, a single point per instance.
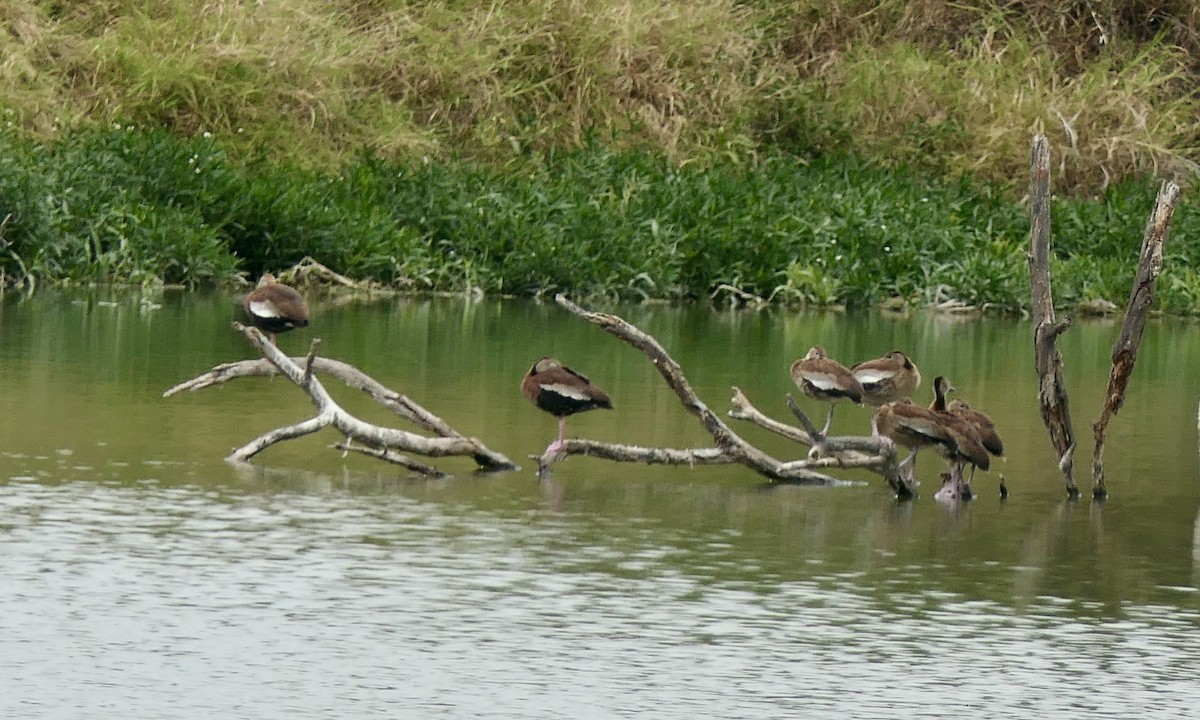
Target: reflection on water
pixel 140 576
pixel 138 601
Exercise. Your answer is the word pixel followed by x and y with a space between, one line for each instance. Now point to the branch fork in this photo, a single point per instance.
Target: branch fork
pixel 872 453
pixel 1052 392
pixel 384 443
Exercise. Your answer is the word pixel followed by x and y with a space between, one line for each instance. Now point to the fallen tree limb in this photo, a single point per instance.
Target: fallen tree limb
pixel 1052 390
pixel 650 456
pixel 402 405
pixel 874 453
pixel 381 442
pixel 1125 350
pixel 729 447
pixel 393 457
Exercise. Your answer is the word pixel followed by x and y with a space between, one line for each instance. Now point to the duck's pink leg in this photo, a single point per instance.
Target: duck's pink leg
pixel 557 445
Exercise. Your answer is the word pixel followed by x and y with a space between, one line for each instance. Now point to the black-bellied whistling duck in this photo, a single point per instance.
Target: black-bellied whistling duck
pixel 941 388
pixel 825 379
pixel 916 427
pixel 274 307
pixel 968 446
pixel 561 391
pixel 983 425
pixel 912 426
pixel 887 379
pixel 985 429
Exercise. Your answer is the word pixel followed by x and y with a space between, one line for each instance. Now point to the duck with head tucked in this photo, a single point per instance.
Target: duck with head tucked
pixel 274 307
pixel 887 379
pixel 823 378
pixel 560 391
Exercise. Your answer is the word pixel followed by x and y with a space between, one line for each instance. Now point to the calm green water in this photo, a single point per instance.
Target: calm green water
pixel 143 577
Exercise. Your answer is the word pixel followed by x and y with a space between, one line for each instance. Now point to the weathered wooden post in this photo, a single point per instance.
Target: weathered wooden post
pixel 1052 391
pixel 1125 350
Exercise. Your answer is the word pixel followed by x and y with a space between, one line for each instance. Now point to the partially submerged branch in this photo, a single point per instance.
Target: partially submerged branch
pixel 729 447
pixel 1125 350
pixel 1052 389
pixel 382 442
pixel 874 453
pixel 393 457
pixel 648 455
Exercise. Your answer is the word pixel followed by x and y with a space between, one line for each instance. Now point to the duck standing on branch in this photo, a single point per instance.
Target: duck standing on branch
pixel 967 446
pixel 983 425
pixel 984 428
pixel 912 426
pixel 887 379
pixel 827 380
pixel 561 391
pixel 275 308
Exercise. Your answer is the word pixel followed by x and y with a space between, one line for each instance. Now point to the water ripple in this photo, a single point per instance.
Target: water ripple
pixel 147 601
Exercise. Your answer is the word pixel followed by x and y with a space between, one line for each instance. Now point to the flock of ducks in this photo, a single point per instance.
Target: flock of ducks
pixel 960 434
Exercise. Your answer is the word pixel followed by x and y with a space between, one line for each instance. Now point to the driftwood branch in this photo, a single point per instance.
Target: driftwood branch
pixel 1125 350
pixel 729 447
pixel 823 444
pixel 1052 389
pixel 382 442
pixel 874 453
pixel 393 457
pixel 648 455
pixel 743 409
pixel 347 373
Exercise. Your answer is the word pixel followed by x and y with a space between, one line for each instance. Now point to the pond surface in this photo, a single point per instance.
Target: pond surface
pixel 143 577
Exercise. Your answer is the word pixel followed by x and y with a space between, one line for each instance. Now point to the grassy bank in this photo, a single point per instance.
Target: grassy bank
pixel 953 88
pixel 832 151
pixel 122 204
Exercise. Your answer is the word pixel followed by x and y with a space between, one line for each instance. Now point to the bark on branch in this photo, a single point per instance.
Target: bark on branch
pixel 381 442
pixel 1125 350
pixel 729 447
pixel 874 453
pixel 1052 390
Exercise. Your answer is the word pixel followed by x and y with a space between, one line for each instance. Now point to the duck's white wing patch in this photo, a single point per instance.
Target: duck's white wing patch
pixel 822 381
pixel 871 376
pixel 925 427
pixel 264 308
pixel 564 390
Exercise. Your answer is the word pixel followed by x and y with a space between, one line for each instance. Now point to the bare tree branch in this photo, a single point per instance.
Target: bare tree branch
pixel 288 432
pixel 1125 350
pixel 743 409
pixel 1052 389
pixel 402 405
pixel 729 446
pixel 393 457
pixel 329 413
pixel 874 453
pixel 648 455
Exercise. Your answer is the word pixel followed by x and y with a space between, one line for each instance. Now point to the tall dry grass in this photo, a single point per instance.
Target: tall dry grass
pixel 318 79
pixel 960 87
pixel 957 87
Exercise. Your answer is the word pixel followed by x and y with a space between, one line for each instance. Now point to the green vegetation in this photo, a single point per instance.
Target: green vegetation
pixel 839 151
pixel 146 206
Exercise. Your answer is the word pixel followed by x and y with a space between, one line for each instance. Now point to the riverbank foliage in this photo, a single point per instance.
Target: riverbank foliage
pixel 821 152
pixel 148 207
